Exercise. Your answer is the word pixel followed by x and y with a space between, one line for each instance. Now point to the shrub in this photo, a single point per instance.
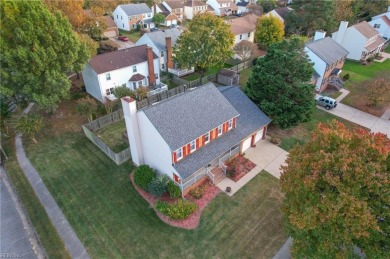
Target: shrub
pixel 173 190
pixel 346 77
pixel 370 59
pixel 181 209
pixel 158 185
pixel 143 175
pixel 198 192
pixel 275 140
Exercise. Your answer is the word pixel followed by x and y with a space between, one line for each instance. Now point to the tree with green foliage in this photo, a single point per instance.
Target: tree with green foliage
pixel 268 5
pixel 30 125
pixel 87 107
pixel 310 15
pixel 207 42
pixel 269 30
pixel 122 91
pixel 337 193
pixel 38 49
pixel 158 19
pixel 280 84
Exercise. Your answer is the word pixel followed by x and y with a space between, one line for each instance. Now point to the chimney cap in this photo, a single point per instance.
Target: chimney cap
pixel 128 99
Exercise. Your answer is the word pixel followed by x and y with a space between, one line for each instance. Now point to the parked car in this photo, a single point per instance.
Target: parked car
pixel 173 25
pixel 238 14
pixel 326 102
pixel 123 38
pixel 154 29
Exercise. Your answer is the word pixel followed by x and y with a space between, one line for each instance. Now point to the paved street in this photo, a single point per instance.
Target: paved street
pixel 17 237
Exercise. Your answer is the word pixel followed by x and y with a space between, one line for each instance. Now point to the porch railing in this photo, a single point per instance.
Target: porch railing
pixel 181 72
pixel 210 174
pixel 223 166
pixel 161 88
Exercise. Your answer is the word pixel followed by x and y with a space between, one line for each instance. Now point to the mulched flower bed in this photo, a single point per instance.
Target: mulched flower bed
pixel 238 167
pixel 192 221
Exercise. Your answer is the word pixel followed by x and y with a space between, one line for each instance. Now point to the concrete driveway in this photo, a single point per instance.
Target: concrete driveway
pixel 122 44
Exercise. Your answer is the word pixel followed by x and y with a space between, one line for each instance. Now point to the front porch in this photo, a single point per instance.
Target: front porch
pixel 181 72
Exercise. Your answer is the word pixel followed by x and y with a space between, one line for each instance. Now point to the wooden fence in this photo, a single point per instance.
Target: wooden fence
pixel 91 127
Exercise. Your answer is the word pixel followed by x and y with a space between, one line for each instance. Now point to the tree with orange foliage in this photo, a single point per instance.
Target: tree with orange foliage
pixel 337 189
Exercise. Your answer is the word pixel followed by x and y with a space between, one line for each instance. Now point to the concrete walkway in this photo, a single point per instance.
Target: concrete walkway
pixel 64 229
pixel 375 124
pixel 384 55
pixel 266 156
pixel 18 239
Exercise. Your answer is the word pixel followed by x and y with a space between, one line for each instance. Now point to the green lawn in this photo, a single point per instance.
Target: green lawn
pixel 210 71
pixel 387 49
pixel 50 240
pixel 133 35
pixel 244 76
pixel 171 84
pixel 112 136
pixel 301 133
pixel 357 85
pixel 113 221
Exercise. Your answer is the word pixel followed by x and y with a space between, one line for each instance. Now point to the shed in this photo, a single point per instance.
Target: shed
pixel 228 77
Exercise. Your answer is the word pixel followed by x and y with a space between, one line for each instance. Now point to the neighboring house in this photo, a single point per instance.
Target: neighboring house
pixel 111 28
pixel 223 7
pixel 244 27
pixel 361 40
pixel 328 57
pixel 175 7
pixel 242 6
pixel 189 134
pixel 280 13
pixel 133 67
pixel 387 14
pixel 382 25
pixel 162 43
pixel 194 7
pixel 170 17
pixel 128 16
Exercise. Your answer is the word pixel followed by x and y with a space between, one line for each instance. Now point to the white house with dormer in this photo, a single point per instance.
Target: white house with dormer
pixel 189 134
pixel 133 67
pixel 223 7
pixel 361 40
pixel 381 23
pixel 128 16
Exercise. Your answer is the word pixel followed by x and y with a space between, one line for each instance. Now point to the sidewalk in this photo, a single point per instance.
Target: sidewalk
pixel 64 229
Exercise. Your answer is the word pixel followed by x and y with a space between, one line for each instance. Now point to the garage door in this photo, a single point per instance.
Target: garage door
pixel 110 34
pixel 168 23
pixel 259 135
pixel 246 144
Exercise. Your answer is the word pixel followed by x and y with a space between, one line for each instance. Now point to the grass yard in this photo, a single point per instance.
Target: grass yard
pixel 301 133
pixel 357 85
pixel 244 76
pixel 50 240
pixel 387 49
pixel 210 71
pixel 113 221
pixel 112 136
pixel 133 36
pixel 170 83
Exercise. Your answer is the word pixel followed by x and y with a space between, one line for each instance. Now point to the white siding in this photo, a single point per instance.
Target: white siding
pixel 215 5
pixel 246 144
pixel 354 42
pixel 244 36
pixel 384 29
pixel 156 152
pixel 146 40
pixel 274 14
pixel 188 13
pixel 121 19
pixel 319 66
pixel 91 82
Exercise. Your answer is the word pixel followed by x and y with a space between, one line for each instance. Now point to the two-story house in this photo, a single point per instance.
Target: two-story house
pixel 189 134
pixel 328 59
pixel 194 7
pixel 381 23
pixel 170 17
pixel 244 27
pixel 361 40
pixel 175 7
pixel 128 16
pixel 280 13
pixel 162 43
pixel 133 67
pixel 223 7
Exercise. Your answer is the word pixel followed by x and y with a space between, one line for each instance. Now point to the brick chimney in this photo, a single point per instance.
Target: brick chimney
pixel 129 106
pixel 168 42
pixel 149 55
pixel 155 8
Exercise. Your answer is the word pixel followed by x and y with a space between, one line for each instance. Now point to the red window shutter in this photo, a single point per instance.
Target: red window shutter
pixel 211 133
pixel 203 140
pixel 224 128
pixel 197 143
pixel 188 149
pixel 216 132
pixel 184 151
pixel 174 157
pixel 234 122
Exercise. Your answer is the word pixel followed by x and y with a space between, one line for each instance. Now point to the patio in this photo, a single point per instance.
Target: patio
pixel 266 156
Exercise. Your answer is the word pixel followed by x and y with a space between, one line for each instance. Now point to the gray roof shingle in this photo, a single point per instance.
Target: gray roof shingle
pixel 327 49
pixel 251 119
pixel 135 9
pixel 185 117
pixel 158 37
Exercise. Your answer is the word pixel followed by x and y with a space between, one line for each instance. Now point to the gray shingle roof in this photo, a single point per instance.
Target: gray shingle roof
pixel 327 49
pixel 158 37
pixel 135 9
pixel 251 119
pixel 185 117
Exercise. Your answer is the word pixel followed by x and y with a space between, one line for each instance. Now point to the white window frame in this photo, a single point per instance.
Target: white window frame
pixel 108 76
pixel 208 137
pixel 219 130
pixel 110 91
pixel 162 66
pixel 192 146
pixel 134 69
pixel 230 124
pixel 179 151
